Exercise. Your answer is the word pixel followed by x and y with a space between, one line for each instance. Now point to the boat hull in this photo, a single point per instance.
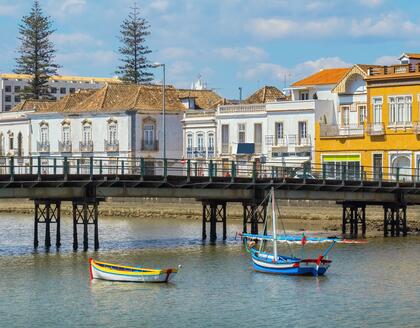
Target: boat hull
pixel 289 266
pixel 112 272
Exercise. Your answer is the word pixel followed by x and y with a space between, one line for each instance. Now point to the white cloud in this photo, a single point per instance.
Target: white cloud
pixel 95 58
pixel 280 28
pixel 176 53
pixel 8 10
pixel 64 8
pixel 386 60
pixel 390 25
pixel 371 3
pixel 270 71
pixel 242 54
pixel 159 5
pixel 74 38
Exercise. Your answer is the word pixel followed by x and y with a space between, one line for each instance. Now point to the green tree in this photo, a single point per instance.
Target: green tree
pixel 36 52
pixel 135 66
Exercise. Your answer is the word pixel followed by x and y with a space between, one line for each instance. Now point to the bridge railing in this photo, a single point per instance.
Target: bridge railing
pixel 61 165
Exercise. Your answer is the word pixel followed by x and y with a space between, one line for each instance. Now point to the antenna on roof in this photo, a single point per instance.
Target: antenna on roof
pixel 240 94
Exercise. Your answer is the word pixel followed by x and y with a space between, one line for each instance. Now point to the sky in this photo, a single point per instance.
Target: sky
pixel 229 43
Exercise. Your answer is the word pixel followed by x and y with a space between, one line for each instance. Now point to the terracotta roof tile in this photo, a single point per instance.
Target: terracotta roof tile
pixel 264 95
pixel 33 104
pixel 325 76
pixel 204 99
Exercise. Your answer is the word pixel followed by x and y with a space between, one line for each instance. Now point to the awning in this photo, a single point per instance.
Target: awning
pixel 341 158
pixel 245 149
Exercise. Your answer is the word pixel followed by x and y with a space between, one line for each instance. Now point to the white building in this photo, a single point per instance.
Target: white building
pixel 11 86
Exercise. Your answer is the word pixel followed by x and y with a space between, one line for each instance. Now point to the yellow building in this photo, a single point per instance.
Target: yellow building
pixel 384 142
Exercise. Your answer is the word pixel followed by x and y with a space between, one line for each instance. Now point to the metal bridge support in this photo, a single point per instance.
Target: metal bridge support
pixel 254 214
pixel 47 212
pixel 214 212
pixel 85 213
pixel 395 220
pixel 353 215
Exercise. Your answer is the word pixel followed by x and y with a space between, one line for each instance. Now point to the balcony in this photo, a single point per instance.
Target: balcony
pixel 293 143
pixel 148 145
pixel 86 146
pixel 376 129
pixel 43 147
pixel 242 108
pixel 226 148
pixel 345 131
pixel 111 146
pixel 200 152
pixel 64 146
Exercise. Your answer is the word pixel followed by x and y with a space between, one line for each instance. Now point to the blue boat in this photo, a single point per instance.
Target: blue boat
pixel 289 265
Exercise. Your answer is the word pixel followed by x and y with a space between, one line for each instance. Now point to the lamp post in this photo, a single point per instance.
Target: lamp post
pixel 155 65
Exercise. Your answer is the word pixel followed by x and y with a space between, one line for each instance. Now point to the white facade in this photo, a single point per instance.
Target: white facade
pixel 60 86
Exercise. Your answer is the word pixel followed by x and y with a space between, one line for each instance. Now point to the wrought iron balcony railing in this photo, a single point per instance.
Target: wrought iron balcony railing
pixel 86 146
pixel 150 145
pixel 111 146
pixel 376 129
pixel 43 147
pixel 65 146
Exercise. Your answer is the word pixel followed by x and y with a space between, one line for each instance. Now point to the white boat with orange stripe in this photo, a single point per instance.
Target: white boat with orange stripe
pixel 116 272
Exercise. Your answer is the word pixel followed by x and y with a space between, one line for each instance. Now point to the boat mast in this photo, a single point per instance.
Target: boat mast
pixel 273 215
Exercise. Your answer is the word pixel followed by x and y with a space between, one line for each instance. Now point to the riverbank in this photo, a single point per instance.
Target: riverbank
pixel 314 216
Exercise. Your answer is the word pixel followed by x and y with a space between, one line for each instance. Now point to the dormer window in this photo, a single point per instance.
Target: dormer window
pixel 188 102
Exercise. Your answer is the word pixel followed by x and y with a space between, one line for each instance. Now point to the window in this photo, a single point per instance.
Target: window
pixel 304 95
pixel 53 90
pixel 11 141
pixel 377 166
pixel 258 137
pixel 345 115
pixel 377 110
pixel 189 141
pixel 149 134
pixel 17 88
pixel 72 90
pixel 113 132
pixel 20 146
pixel 8 98
pixel 241 133
pixel 225 138
pixel 8 88
pixel 361 114
pixel 279 132
pixel 63 91
pixel 2 144
pixel 44 134
pixel 303 130
pixel 17 99
pixel 87 133
pixel 66 134
pixel 211 141
pixel 200 142
pixel 400 108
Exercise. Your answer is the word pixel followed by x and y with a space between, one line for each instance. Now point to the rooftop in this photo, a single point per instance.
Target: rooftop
pixel 62 78
pixel 323 77
pixel 264 95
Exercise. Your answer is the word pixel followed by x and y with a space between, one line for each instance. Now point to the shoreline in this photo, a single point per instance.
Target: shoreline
pixel 322 216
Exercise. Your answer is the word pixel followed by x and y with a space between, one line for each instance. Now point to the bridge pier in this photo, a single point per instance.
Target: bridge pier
pixel 395 220
pixel 85 213
pixel 214 212
pixel 254 214
pixel 47 212
pixel 353 215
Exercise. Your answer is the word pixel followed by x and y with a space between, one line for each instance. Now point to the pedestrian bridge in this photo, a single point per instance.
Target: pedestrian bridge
pixel 86 181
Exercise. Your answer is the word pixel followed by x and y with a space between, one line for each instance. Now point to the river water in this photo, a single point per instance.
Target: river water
pixel 369 285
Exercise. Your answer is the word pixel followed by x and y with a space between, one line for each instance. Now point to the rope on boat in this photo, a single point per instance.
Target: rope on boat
pixel 284 230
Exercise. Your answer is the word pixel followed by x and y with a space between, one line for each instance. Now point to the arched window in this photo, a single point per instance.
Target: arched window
pixel 149 134
pixel 189 141
pixel 2 150
pixel 44 138
pixel 66 133
pixel 11 140
pixel 86 132
pixel 401 167
pixel 112 132
pixel 20 145
pixel 210 144
pixel 200 144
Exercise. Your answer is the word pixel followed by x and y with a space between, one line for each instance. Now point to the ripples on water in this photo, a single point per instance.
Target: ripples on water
pixel 373 285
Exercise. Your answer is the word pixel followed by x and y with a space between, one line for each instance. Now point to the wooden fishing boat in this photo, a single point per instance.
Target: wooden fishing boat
pixel 290 265
pixel 115 272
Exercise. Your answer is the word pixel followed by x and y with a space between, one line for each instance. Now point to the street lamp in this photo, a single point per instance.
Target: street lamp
pixel 155 65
